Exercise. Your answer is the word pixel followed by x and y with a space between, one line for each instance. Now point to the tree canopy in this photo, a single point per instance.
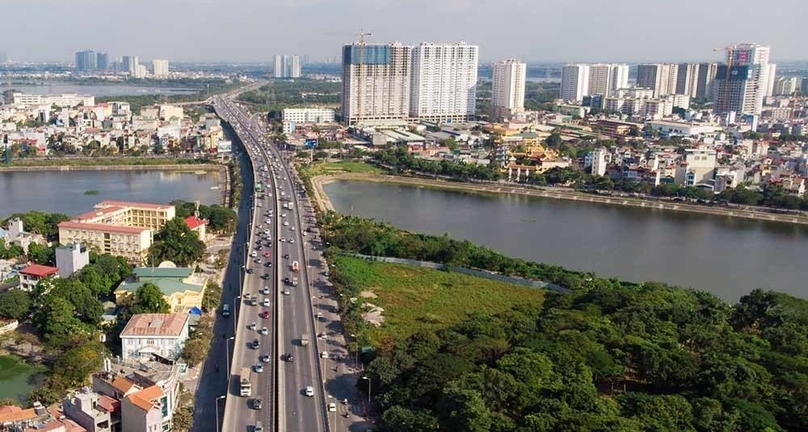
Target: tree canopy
pixel 177 243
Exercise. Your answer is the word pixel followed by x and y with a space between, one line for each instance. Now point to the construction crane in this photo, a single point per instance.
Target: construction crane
pixel 361 70
pixel 730 49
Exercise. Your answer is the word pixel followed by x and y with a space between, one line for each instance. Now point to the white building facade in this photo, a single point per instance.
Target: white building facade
pixel 160 334
pixel 574 82
pixel 444 82
pixel 376 81
pixel 160 68
pixel 308 115
pixel 508 88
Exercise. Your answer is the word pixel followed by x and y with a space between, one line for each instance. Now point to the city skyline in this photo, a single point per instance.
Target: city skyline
pixel 244 33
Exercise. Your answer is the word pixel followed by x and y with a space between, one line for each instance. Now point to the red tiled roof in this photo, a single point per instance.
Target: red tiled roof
pixel 122 384
pixel 26 414
pixel 145 398
pixel 194 222
pixel 155 325
pixel 135 204
pixel 102 227
pixel 109 404
pixel 98 212
pixel 39 270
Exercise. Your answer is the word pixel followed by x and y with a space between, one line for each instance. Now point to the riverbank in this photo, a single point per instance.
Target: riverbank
pixel 325 204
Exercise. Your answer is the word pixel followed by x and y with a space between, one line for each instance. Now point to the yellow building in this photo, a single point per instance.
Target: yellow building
pixel 182 288
pixel 118 228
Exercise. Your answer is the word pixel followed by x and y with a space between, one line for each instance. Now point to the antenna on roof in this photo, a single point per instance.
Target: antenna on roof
pixel 196 209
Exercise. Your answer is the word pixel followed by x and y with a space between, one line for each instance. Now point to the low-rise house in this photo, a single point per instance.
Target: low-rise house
pixel 34 273
pixel 182 289
pixel 94 412
pixel 71 258
pixel 147 335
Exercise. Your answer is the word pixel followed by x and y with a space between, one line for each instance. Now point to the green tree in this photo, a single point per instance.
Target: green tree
pixel 177 243
pixel 76 364
pixel 463 410
pixel 149 299
pixel 41 254
pixel 15 304
pixel 56 322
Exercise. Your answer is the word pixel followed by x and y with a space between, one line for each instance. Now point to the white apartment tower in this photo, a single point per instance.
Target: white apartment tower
pixel 160 68
pixel 444 82
pixel 574 82
pixel 508 88
pixel 606 79
pixel 277 69
pixel 744 79
pixel 619 79
pixel 661 77
pixel 382 90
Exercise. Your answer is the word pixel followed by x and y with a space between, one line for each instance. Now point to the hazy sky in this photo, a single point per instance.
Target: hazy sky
pixel 532 30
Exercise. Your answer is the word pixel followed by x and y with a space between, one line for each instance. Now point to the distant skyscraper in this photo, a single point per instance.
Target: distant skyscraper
pixel 574 82
pixel 286 67
pixel 376 83
pixel 659 77
pixel 619 77
pixel 135 66
pixel 293 65
pixel 85 61
pixel 160 68
pixel 444 82
pixel 277 69
pixel 126 64
pixel 508 88
pixel 744 80
pixel 606 79
pixel 101 61
pixel 706 76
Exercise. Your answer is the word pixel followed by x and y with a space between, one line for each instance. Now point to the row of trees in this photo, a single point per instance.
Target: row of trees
pixel 401 161
pixel 220 219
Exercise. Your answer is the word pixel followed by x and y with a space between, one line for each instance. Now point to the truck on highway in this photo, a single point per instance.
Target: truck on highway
pixel 295 266
pixel 304 340
pixel 246 384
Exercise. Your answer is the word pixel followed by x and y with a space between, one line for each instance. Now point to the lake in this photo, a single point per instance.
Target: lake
pixel 726 256
pixel 97 90
pixel 18 378
pixel 63 192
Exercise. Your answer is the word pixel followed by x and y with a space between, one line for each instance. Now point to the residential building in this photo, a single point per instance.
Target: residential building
pixel 197 225
pixel 160 68
pixel 661 77
pixel 745 80
pixel 508 88
pixel 786 86
pixel 309 115
pixel 101 61
pixel 619 77
pixel 686 129
pixel 33 274
pixel 697 169
pixel 606 79
pixel 163 335
pixel 125 213
pixel 706 78
pixel 71 258
pixel 376 83
pixel 85 61
pixel 687 79
pixel 140 72
pixel 600 161
pixel 127 64
pixel 148 410
pixel 444 82
pixel 94 412
pixel 182 289
pixel 68 100
pixel 286 66
pixel 574 82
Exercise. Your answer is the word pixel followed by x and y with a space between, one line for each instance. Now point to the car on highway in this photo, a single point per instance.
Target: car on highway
pixel 285 223
pixel 264 331
pixel 264 314
pixel 257 403
pixel 288 357
pixel 265 276
pixel 324 354
pixel 286 255
pixel 286 291
pixel 267 254
pixel 291 240
pixel 332 407
pixel 268 264
pixel 264 358
pixel 310 391
pixel 252 326
pixel 265 290
pixel 320 316
pixel 256 343
pixel 250 271
pixel 259 368
pixel 265 303
pixel 253 254
pixel 259 426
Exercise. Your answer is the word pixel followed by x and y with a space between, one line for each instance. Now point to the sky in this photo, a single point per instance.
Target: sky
pixel 530 30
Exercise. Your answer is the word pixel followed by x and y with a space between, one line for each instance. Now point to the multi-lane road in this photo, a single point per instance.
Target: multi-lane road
pixel 277 238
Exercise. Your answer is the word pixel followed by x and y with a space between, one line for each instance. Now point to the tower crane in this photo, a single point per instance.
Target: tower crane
pixel 361 71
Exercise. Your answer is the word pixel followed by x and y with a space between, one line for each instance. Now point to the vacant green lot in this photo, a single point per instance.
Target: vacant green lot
pixel 341 167
pixel 415 298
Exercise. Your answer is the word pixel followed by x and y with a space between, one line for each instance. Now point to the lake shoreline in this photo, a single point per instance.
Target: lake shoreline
pixel 325 204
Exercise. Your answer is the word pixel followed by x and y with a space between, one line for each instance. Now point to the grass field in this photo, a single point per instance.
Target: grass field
pixel 415 298
pixel 342 167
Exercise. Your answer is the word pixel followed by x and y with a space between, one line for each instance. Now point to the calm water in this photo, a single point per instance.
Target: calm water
pixel 63 192
pixel 728 257
pixel 95 90
pixel 18 378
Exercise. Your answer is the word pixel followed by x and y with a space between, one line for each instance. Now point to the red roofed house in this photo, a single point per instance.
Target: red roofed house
pixel 197 225
pixel 160 334
pixel 94 412
pixel 148 410
pixel 31 275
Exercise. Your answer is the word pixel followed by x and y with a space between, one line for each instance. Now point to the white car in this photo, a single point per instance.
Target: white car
pixel 283 215
pixel 332 407
pixel 264 358
pixel 285 223
pixel 252 326
pixel 265 331
pixel 258 368
pixel 291 240
pixel 310 391
pixel 253 254
pixel 286 291
pixel 265 302
pixel 324 354
pixel 293 228
pixel 265 290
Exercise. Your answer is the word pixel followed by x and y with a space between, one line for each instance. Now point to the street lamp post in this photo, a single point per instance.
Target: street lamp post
pixel 369 388
pixel 227 348
pixel 217 410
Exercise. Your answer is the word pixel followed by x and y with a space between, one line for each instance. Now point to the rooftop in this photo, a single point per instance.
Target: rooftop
pixel 155 325
pixel 106 203
pixel 102 227
pixel 98 212
pixel 163 272
pixel 39 270
pixel 145 398
pixel 194 222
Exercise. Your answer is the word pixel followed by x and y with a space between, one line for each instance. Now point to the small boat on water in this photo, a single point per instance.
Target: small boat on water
pixel 214 187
